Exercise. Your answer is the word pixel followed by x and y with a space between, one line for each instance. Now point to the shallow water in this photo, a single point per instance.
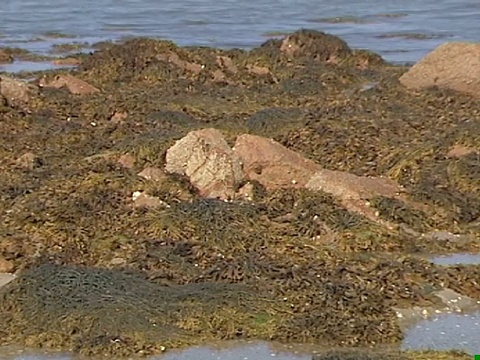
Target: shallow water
pixel 402 31
pixel 457 259
pixel 446 332
pixel 246 351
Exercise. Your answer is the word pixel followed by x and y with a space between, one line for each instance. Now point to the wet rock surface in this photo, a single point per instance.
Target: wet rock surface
pixel 324 264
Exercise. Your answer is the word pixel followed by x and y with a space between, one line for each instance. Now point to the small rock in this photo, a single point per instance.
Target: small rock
pixel 29 161
pixel 218 76
pixel 118 261
pixel 16 92
pixel 258 70
pixel 272 164
pixel 127 161
pixel 153 173
pixel 5 278
pixel 173 58
pixel 5 58
pixel 119 117
pixel 142 200
pixel 73 84
pixel 205 157
pixel 246 192
pixel 227 63
pixel 5 265
pixel 454 66
pixel 459 151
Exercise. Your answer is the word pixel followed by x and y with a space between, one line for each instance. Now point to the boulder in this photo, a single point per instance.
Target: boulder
pixel 206 159
pixel 16 92
pixel 272 164
pixel 454 66
pixel 29 161
pixel 315 45
pixel 73 84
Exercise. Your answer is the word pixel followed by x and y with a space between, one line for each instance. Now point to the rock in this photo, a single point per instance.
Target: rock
pixel 29 161
pixel 459 151
pixel 5 58
pixel 127 161
pixel 455 301
pixel 5 278
pixel 142 200
pixel 153 173
pixel 16 92
pixel 349 186
pixel 218 76
pixel 5 265
pixel 227 63
pixel 211 165
pixel 272 164
pixel 258 70
pixel 454 66
pixel 118 117
pixel 315 45
pixel 353 190
pixel 73 84
pixel 246 192
pixel 173 58
pixel 67 62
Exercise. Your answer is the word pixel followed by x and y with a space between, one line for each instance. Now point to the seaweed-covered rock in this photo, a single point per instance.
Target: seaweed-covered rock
pixel 315 45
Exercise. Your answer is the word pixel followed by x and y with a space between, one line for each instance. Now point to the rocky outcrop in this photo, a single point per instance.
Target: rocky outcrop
pixel 454 66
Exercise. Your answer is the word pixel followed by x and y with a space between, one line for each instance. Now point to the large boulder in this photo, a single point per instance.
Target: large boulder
pixel 206 159
pixel 454 66
pixel 272 164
